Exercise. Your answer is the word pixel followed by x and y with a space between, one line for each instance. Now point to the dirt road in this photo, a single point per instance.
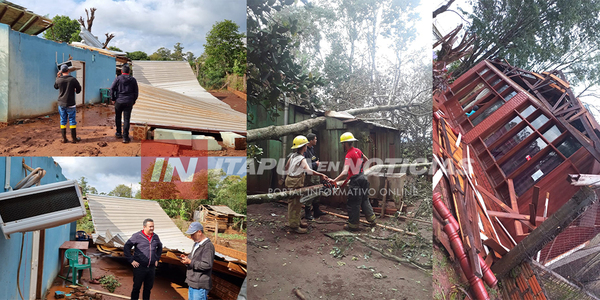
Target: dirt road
pixel 281 261
pixel 95 125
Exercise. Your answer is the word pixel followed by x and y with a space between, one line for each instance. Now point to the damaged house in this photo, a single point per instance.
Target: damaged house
pixel 29 65
pixel 35 221
pixel 506 141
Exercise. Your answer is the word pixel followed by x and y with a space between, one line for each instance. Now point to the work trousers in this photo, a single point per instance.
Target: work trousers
pixel 123 109
pixel 145 275
pixel 294 206
pixel 67 114
pixel 358 197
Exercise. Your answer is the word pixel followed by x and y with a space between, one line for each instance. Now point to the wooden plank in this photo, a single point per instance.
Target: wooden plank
pixel 495 246
pixel 514 204
pixel 559 101
pixel 31 22
pixel 383 204
pixel 3 11
pixel 503 206
pixel 17 19
pixel 235 268
pixel 514 216
pixel 533 205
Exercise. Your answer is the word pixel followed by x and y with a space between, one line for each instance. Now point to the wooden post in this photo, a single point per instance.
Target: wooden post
pixel 546 232
pixel 533 205
pixel 216 229
pixel 383 204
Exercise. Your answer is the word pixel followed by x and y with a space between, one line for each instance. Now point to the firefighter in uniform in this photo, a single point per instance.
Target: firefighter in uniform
pixel 296 169
pixel 358 186
pixel 313 162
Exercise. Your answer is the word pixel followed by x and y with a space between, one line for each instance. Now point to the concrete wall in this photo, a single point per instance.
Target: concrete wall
pixel 4 73
pixel 11 248
pixel 32 72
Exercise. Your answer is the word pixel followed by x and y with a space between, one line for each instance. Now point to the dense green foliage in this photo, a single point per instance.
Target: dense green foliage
pixel 538 35
pixel 224 54
pixel 63 30
pixel 137 55
pixel 227 190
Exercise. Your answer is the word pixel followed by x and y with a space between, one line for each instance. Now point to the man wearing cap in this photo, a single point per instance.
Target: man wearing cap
pixel 124 92
pixel 146 255
pixel 67 86
pixel 199 263
pixel 313 163
pixel 358 185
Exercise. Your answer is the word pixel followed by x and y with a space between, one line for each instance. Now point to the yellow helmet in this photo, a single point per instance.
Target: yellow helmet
pixel 347 137
pixel 299 141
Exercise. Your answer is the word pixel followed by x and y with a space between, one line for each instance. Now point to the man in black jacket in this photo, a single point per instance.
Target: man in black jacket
pixel 199 263
pixel 313 162
pixel 146 255
pixel 124 92
pixel 67 86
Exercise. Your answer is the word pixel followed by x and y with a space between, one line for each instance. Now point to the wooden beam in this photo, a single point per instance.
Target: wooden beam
pixel 503 206
pixel 514 204
pixel 43 29
pixel 559 101
pixel 507 215
pixel 546 232
pixel 29 24
pixel 3 11
pixel 17 19
pixel 533 205
pixel 571 119
pixel 495 246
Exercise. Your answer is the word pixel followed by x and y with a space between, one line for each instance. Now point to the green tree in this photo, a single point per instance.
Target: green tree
pixel 85 187
pixel 161 54
pixel 63 30
pixel 113 48
pixel 121 190
pixel 538 35
pixel 177 53
pixel 137 55
pixel 223 47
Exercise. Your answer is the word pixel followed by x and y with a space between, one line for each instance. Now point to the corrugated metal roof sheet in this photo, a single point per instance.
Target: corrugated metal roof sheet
pixel 176 76
pixel 223 209
pixel 159 107
pixel 122 217
pixel 171 97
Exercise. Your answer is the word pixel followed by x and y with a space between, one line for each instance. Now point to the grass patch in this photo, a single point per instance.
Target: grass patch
pixel 232 236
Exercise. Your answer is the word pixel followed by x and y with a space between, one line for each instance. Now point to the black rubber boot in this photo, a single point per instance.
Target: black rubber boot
pixel 118 135
pixel 63 131
pixel 317 211
pixel 74 136
pixel 307 213
pixel 126 139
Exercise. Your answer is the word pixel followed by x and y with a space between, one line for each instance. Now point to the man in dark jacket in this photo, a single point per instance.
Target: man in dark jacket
pixel 67 86
pixel 313 162
pixel 124 92
pixel 199 263
pixel 146 255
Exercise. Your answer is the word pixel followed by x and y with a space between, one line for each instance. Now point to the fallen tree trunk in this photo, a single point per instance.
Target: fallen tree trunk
pixel 272 197
pixel 274 132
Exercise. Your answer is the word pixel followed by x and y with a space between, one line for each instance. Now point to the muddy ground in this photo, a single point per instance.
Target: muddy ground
pixel 280 260
pixel 168 284
pixel 41 136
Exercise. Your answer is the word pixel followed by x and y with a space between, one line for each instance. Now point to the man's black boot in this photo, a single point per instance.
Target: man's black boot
pixel 74 136
pixel 317 211
pixel 307 213
pixel 63 131
pixel 126 139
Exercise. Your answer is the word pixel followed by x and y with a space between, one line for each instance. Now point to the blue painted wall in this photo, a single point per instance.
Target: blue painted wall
pixel 32 72
pixel 10 249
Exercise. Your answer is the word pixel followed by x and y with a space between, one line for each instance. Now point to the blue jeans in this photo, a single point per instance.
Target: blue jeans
pixel 197 294
pixel 65 113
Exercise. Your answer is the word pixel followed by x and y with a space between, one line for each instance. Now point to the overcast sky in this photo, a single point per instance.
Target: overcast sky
pixel 105 173
pixel 147 25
